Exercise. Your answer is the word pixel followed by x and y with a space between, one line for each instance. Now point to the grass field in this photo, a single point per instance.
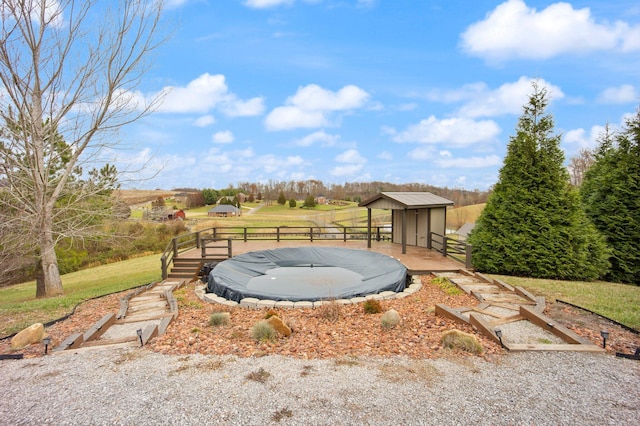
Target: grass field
pixel 19 308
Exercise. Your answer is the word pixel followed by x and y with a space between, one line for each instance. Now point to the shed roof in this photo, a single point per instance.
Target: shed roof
pixel 225 208
pixel 407 200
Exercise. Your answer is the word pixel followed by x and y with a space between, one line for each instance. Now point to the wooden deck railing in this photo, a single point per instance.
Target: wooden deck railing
pixel 202 239
pixel 455 249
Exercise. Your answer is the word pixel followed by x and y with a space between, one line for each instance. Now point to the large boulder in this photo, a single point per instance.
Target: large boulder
pixel 31 334
pixel 279 326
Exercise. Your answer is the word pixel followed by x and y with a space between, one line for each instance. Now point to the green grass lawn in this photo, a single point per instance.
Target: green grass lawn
pixel 620 302
pixel 19 308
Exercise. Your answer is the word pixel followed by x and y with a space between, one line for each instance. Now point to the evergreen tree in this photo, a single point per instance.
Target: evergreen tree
pixel 533 223
pixel 611 195
pixel 282 199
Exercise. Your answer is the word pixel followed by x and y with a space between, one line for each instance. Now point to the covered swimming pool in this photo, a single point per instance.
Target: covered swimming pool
pixel 306 273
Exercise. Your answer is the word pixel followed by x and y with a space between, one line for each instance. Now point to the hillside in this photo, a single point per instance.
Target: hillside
pixel 458 216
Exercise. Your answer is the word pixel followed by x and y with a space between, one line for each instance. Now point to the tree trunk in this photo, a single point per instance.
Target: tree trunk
pixel 49 283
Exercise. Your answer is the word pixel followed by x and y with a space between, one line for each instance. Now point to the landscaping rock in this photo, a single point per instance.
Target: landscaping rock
pixel 26 337
pixel 279 326
pixel 390 319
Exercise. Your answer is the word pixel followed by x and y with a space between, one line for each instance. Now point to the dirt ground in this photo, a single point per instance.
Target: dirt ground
pixel 317 334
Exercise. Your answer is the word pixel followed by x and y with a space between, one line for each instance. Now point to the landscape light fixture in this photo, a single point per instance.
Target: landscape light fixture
pixel 46 341
pixel 139 332
pixel 605 336
pixel 499 336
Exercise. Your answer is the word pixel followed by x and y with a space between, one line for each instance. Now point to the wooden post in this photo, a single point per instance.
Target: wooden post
pixel 404 231
pixel 468 264
pixel 444 246
pixel 311 234
pixel 368 227
pixel 278 234
pixel 164 267
pixel 198 239
pixel 245 235
pixel 174 242
pixel 429 237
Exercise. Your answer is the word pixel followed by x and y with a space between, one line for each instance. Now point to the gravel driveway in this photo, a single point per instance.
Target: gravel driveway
pixel 139 387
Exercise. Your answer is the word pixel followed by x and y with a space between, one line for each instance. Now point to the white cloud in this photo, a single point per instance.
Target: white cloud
pixel 315 98
pixel 514 30
pixel 237 108
pixel 385 155
pixel 346 170
pixel 289 117
pixel 457 131
pixel 204 121
pixel 421 153
pixel 312 106
pixel 351 156
pixel 265 4
pixel 225 136
pixel 352 161
pixel 480 101
pixel 469 163
pixel 318 137
pixel 619 95
pixel 205 93
pixel 580 138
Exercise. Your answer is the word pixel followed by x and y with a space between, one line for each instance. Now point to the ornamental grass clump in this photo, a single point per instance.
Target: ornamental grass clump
pixel 458 340
pixel 219 318
pixel 330 310
pixel 262 331
pixel 372 306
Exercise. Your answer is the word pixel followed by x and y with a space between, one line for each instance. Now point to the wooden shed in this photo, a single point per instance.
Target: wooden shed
pixel 414 215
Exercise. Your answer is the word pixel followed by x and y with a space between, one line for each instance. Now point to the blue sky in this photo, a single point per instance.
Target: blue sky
pixel 363 90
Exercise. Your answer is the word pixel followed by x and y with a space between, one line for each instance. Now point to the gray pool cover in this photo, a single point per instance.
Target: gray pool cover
pixel 306 273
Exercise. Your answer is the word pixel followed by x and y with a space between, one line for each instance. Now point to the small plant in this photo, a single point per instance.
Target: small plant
pixel 281 414
pixel 259 376
pixel 447 286
pixel 372 306
pixel 330 310
pixel 263 332
pixel 219 318
pixel 195 330
pixel 457 340
pixel 270 313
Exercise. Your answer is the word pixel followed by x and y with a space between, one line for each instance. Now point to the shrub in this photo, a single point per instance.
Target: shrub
pixel 219 318
pixel 457 340
pixel 330 310
pixel 372 306
pixel 263 332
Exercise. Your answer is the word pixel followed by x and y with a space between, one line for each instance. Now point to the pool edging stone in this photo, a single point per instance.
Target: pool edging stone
pixel 251 302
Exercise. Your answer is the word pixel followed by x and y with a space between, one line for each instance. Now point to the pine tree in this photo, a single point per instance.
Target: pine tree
pixel 611 194
pixel 533 223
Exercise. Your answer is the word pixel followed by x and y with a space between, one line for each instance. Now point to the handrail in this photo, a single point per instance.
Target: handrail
pixel 455 249
pixel 191 240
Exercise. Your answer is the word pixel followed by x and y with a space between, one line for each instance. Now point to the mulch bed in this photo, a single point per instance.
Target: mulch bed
pixel 354 334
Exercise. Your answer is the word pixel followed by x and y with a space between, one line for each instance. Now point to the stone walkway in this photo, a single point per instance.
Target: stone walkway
pixel 511 316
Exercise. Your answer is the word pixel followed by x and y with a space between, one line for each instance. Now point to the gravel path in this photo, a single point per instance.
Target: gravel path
pixel 138 387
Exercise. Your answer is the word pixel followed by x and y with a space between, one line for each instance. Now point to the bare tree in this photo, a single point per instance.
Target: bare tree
pixel 579 164
pixel 69 67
